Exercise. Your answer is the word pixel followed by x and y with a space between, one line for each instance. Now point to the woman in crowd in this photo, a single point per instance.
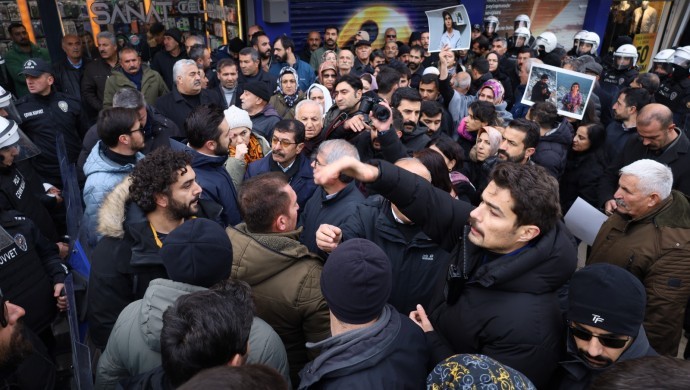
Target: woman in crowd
pixel 369 82
pixel 479 114
pixel 453 157
pixel 327 75
pixel 321 95
pixel 483 158
pixel 493 58
pixel 245 146
pixel 287 96
pixel 585 165
pixel 492 91
pixel 329 55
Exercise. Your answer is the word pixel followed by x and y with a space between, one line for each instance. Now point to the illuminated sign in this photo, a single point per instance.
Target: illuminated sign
pixel 104 13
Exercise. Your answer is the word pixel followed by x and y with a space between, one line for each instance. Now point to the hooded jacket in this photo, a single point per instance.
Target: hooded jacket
pixel 515 315
pixel 389 354
pixel 102 175
pixel 575 374
pixel 124 261
pixel 134 344
pixel 285 279
pixel 655 248
pixel 552 149
pixel 152 85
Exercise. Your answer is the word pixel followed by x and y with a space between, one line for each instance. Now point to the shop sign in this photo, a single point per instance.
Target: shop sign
pixel 102 13
pixel 644 43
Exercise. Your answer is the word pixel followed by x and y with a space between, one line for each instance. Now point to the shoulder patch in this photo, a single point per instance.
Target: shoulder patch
pixel 20 240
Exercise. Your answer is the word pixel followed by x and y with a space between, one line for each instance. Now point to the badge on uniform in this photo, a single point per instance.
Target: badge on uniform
pixel 20 241
pixel 63 105
pixel 621 81
pixel 673 96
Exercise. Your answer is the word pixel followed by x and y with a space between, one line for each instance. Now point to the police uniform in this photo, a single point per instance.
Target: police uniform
pixel 29 268
pixel 43 118
pixel 618 78
pixel 676 96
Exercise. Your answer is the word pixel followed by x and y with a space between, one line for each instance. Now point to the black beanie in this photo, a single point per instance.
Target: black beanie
pixel 608 297
pixel 357 281
pixel 260 89
pixel 175 34
pixel 198 252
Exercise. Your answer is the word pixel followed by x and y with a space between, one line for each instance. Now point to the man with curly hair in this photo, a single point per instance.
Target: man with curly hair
pixel 136 217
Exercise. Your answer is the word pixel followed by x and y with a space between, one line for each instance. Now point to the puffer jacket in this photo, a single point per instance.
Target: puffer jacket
pixel 152 85
pixel 102 175
pixel 655 248
pixel 285 279
pixel 552 150
pixel 134 344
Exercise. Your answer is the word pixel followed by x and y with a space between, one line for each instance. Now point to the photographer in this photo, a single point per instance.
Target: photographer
pixel 345 119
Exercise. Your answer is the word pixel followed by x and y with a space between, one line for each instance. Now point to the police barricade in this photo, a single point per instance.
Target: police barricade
pixel 81 357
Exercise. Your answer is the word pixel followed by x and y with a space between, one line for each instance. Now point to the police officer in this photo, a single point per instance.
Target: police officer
pixel 576 43
pixel 662 64
pixel 623 70
pixel 521 29
pixel 674 91
pixel 46 113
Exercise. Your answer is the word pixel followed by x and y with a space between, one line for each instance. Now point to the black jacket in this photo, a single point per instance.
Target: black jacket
pixel 676 156
pixel 177 108
pixel 333 211
pixel 163 63
pixel 581 178
pixel 44 117
pixel 515 316
pixel 417 262
pixel 616 138
pixel 390 354
pixel 552 150
pixel 68 78
pixel 93 85
pixel 416 140
pixel 29 268
pixel 157 132
pixel 124 261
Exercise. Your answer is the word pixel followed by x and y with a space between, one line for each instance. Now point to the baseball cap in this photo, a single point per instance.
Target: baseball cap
pixel 36 67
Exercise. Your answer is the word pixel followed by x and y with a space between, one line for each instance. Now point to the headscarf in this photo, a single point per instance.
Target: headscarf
pixel 495 138
pixel 327 100
pixel 467 371
pixel 289 99
pixel 497 89
pixel 325 66
pixel 374 85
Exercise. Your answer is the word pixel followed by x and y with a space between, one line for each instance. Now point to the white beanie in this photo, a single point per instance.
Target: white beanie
pixel 237 117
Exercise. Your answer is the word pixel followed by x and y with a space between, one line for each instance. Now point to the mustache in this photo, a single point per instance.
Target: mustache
pixel 600 359
pixel 503 153
pixel 410 123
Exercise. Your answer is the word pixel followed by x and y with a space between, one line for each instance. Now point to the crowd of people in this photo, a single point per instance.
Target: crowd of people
pixel 346 217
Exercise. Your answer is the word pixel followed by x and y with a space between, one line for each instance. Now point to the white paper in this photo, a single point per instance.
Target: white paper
pixel 584 221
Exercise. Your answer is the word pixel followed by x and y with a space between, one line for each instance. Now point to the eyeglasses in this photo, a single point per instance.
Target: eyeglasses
pixel 316 162
pixel 608 341
pixel 391 36
pixel 328 76
pixel 283 142
pixel 3 317
pixel 141 128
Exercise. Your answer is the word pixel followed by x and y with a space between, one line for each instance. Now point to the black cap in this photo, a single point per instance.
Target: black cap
pixel 362 42
pixel 260 89
pixel 175 34
pixel 36 67
pixel 477 27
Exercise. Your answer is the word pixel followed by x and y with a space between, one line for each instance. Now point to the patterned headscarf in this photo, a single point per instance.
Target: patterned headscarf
pixel 289 99
pixel 475 372
pixel 497 89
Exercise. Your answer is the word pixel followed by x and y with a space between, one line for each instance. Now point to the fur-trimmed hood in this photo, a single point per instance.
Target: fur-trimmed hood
pixel 111 217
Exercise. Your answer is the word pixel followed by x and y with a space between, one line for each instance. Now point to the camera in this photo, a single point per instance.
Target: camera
pixel 371 104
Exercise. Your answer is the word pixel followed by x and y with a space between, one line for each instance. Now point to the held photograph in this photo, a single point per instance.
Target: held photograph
pixel 569 91
pixel 449 27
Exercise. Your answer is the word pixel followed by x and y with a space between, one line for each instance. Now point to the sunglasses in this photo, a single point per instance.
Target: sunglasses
pixel 3 317
pixel 391 36
pixel 609 341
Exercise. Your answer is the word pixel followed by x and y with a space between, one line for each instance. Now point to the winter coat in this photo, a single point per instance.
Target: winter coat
pixel 96 73
pixel 302 182
pixel 676 156
pixel 215 182
pixel 305 73
pixel 285 279
pixel 581 178
pixel 14 61
pixel 29 268
pixel 522 285
pixel 177 108
pixel 68 78
pixel 43 118
pixel 416 261
pixel 278 103
pixel 163 63
pixel 134 344
pixel 416 140
pixel 264 121
pixel 152 85
pixel 616 137
pixel 574 374
pixel 124 261
pixel 655 248
pixel 389 354
pixel 333 211
pixel 102 175
pixel 552 150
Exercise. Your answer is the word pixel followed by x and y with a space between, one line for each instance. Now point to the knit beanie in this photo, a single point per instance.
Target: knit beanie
pixel 237 117
pixel 469 371
pixel 175 34
pixel 608 297
pixel 260 89
pixel 357 281
pixel 198 252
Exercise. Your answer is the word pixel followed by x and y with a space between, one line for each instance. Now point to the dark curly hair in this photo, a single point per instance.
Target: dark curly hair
pixel 154 174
